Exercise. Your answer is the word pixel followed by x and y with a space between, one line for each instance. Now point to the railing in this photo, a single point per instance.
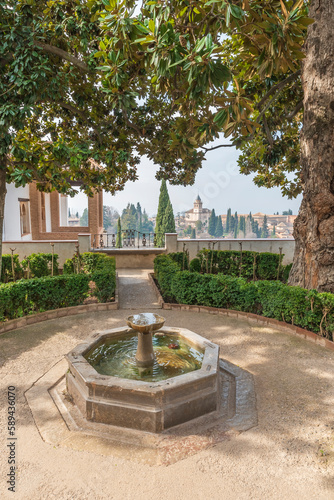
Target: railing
pixel 130 238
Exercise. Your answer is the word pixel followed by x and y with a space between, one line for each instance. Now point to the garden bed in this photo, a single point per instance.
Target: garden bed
pixel 307 309
pixel 25 297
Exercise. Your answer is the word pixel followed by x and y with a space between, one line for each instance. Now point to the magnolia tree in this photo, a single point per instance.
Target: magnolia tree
pixel 85 86
pixel 234 68
pixel 56 123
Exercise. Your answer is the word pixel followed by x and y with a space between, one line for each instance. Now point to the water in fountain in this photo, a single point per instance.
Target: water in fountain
pixel 173 356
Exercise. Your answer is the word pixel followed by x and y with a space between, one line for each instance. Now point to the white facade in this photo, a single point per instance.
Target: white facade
pixel 12 224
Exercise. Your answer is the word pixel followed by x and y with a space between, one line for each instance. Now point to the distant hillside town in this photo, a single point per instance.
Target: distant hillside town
pixel 201 222
pixel 197 222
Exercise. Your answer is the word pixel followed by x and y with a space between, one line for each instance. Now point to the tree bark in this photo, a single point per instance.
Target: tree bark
pixel 313 265
pixel 3 191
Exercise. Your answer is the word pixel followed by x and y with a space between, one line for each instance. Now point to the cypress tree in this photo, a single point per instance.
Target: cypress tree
pixel 219 228
pixel 242 224
pixel 119 234
pixel 236 218
pixel 232 224
pixel 265 230
pixel 212 223
pixel 168 222
pixel 228 221
pixel 163 202
pixel 139 218
pixel 236 230
pixel 193 234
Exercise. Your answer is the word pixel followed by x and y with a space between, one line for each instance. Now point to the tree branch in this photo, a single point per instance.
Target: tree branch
pixel 73 109
pixel 130 124
pixel 295 111
pixel 278 87
pixel 63 54
pixel 268 134
pixel 216 147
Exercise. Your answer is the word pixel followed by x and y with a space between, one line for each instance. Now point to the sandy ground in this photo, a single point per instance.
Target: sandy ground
pixel 290 454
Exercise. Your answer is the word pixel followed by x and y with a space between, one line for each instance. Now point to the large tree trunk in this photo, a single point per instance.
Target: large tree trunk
pixel 313 265
pixel 3 191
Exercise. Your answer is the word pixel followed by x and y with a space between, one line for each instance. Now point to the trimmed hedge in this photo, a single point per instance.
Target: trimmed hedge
pixel 235 263
pixel 6 268
pixel 28 296
pixel 102 271
pixel 40 264
pixel 305 308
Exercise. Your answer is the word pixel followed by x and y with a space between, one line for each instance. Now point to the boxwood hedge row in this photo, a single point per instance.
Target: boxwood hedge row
pixel 27 296
pixel 273 299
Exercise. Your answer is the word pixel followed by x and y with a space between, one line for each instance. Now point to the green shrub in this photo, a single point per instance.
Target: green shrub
pixel 233 263
pixel 180 258
pixel 89 262
pixel 267 265
pixel 286 272
pixel 69 266
pixel 164 269
pixel 195 265
pixel 41 294
pixel 6 268
pixel 273 299
pixel 105 285
pixel 27 296
pixel 102 271
pixel 40 264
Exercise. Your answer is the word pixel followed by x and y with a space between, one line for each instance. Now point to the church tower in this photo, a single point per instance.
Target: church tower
pixel 198 205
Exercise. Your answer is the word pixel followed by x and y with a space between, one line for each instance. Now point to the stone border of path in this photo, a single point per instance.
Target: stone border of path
pixel 280 325
pixel 13 324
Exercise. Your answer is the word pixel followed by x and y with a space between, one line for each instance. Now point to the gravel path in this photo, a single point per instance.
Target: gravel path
pixel 289 455
pixel 135 291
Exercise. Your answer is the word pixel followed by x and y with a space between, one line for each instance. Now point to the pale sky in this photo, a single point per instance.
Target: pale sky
pixel 219 184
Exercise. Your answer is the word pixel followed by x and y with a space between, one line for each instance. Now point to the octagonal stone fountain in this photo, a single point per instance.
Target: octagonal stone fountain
pixel 147 377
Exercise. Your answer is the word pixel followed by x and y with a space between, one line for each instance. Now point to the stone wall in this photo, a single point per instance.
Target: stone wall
pixel 64 249
pixel 173 244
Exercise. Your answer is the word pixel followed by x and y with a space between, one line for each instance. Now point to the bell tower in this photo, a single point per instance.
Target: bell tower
pixel 198 205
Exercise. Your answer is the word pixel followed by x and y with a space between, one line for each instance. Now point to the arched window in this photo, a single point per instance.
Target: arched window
pixel 24 217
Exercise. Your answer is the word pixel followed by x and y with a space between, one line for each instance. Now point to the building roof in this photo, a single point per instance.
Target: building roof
pixel 198 198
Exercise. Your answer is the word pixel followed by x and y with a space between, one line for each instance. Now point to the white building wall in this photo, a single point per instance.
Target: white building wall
pixel 63 210
pixel 12 229
pixel 47 198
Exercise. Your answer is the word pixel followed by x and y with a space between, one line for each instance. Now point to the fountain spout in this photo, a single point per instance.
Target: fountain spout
pixel 145 325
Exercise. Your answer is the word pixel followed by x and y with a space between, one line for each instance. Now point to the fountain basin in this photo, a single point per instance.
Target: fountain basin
pixel 136 404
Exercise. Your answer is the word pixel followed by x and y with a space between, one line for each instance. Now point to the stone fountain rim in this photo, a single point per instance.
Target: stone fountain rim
pixel 92 377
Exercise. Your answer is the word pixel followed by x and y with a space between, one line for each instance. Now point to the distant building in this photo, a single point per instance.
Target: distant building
pixel 283 223
pixel 197 213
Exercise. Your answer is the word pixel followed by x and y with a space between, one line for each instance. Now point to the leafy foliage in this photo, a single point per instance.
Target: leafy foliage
pixel 28 296
pixel 249 265
pixel 40 264
pixel 208 67
pixel 56 123
pixel 102 271
pixel 6 270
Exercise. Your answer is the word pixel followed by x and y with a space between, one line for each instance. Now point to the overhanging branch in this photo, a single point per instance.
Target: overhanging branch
pixel 217 147
pixel 295 111
pixel 63 54
pixel 277 88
